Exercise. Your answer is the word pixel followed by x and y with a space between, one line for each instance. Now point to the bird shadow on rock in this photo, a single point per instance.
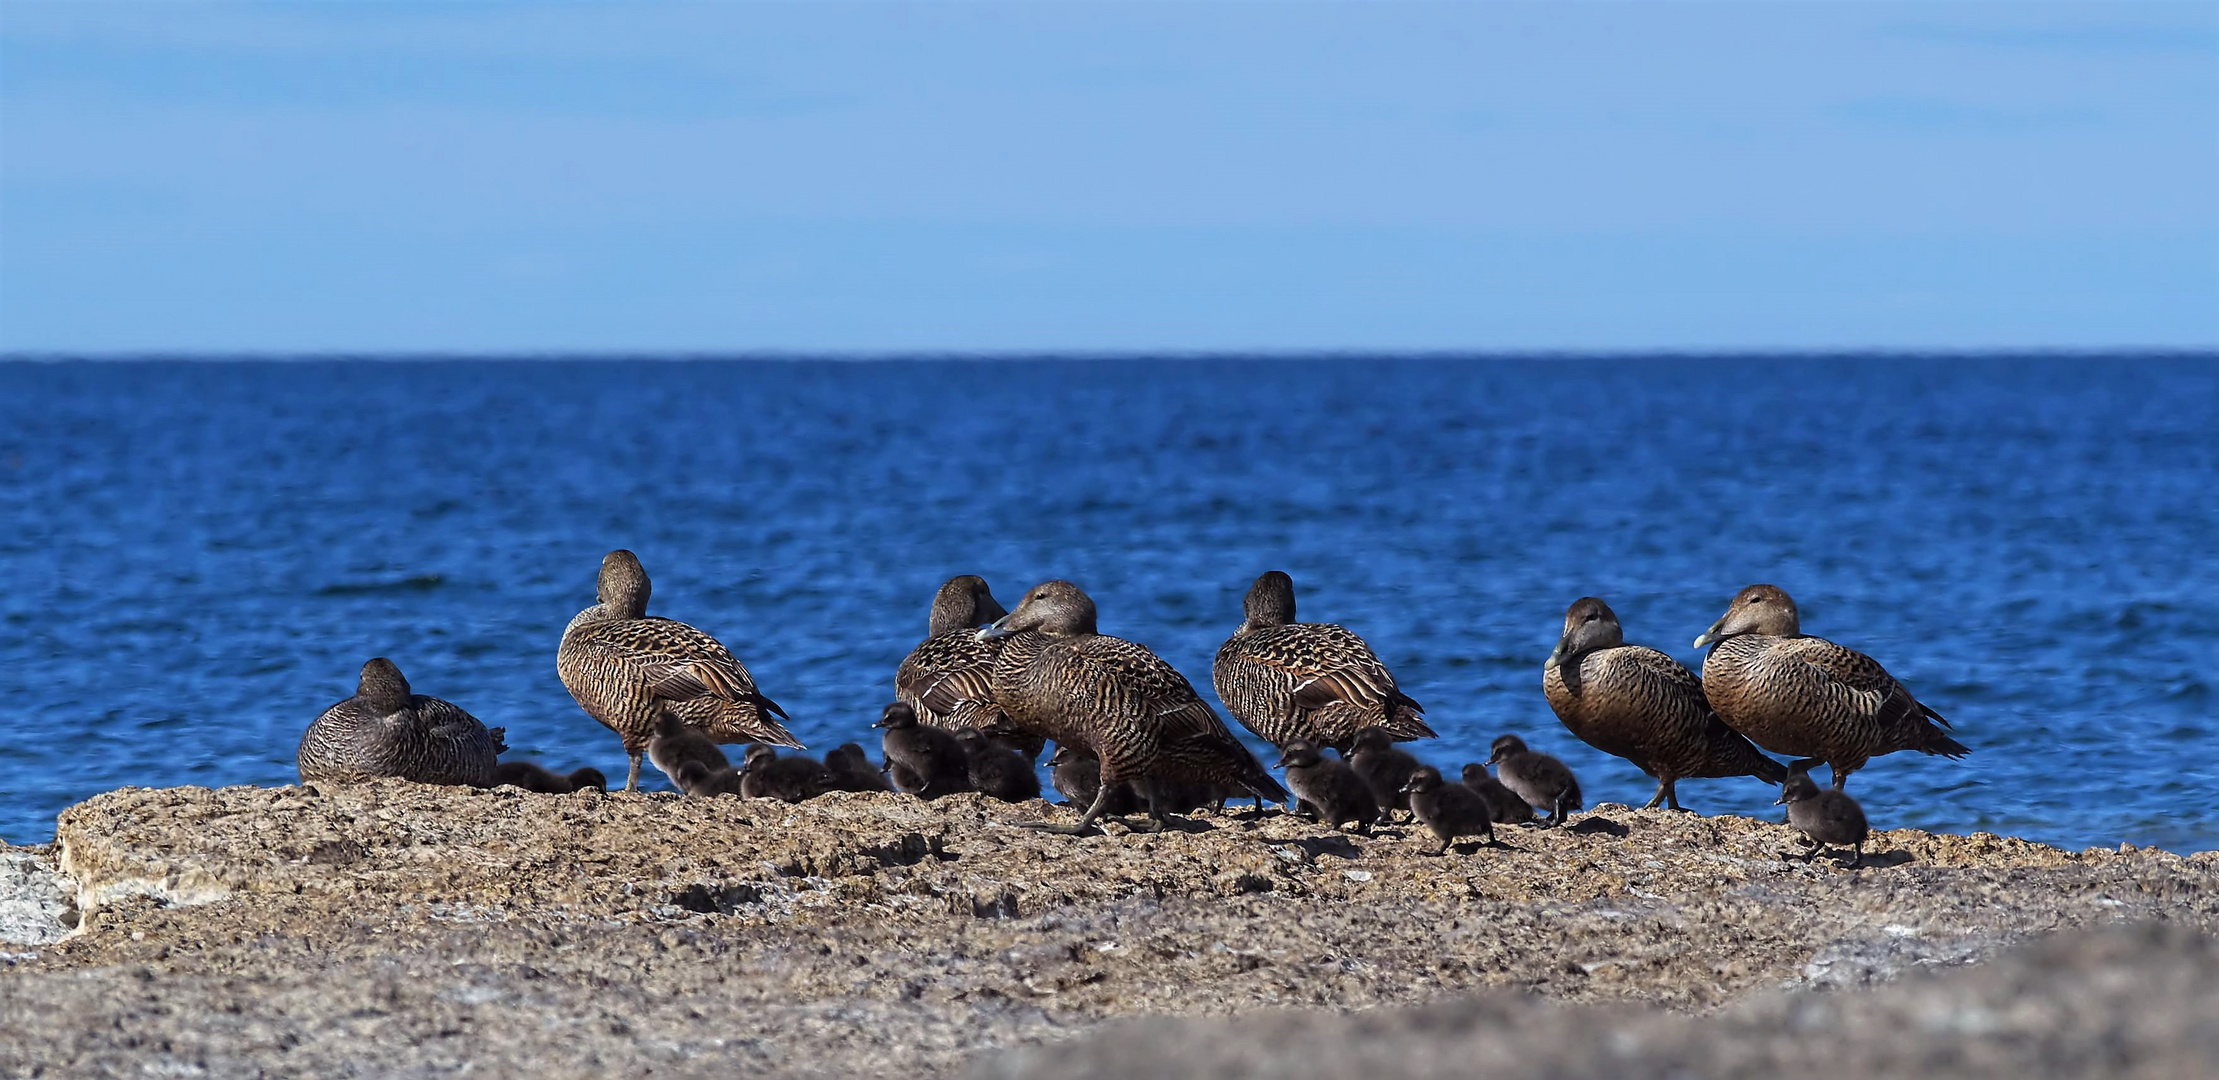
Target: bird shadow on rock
pixel 1591 825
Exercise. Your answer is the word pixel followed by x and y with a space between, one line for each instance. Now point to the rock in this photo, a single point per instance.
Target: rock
pixel 2114 1004
pixel 243 931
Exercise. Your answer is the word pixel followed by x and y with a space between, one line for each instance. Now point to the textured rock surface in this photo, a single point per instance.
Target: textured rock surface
pixel 2115 1004
pixel 395 929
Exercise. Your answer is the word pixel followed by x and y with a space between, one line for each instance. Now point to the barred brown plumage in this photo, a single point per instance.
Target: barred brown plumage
pixel 1318 682
pixel 1808 697
pixel 625 667
pixel 1639 704
pixel 948 678
pixel 386 730
pixel 1059 678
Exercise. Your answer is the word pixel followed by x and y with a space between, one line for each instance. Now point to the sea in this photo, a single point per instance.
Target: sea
pixel 197 556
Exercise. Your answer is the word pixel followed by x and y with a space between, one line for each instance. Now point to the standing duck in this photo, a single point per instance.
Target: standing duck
pixel 1061 679
pixel 385 730
pixel 1639 704
pixel 1806 696
pixel 626 667
pixel 947 679
pixel 1317 682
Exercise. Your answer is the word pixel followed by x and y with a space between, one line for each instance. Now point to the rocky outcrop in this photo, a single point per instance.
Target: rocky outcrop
pixel 397 928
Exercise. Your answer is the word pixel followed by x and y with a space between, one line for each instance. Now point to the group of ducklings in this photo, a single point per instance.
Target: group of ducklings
pixel 979 698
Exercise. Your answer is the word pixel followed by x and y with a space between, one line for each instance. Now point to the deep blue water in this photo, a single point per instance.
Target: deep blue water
pixel 199 556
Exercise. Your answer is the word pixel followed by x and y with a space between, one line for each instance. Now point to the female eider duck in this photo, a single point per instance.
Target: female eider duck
pixel 626 667
pixel 1806 696
pixel 1317 682
pixel 1061 679
pixel 1639 704
pixel 385 730
pixel 947 680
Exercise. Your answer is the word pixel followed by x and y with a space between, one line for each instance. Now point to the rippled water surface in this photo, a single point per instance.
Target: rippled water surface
pixel 200 556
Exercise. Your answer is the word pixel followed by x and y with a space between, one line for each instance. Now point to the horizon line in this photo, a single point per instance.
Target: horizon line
pixel 1876 352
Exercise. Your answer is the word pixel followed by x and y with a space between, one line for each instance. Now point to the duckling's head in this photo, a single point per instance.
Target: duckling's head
pixel 1299 754
pixel 1504 747
pixel 1425 778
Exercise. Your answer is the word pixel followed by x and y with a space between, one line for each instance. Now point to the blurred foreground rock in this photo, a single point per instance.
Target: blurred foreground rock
pixel 392 929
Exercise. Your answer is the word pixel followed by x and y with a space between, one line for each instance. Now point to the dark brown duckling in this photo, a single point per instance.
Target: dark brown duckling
pixel 676 742
pixel 851 770
pixel 1078 775
pixel 1503 804
pixel 1328 790
pixel 1384 767
pixel 699 779
pixel 766 775
pixel 1448 810
pixel 534 777
pixel 1542 781
pixel 925 761
pixel 997 771
pixel 1824 817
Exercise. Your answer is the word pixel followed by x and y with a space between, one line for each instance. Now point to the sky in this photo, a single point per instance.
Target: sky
pixel 1108 177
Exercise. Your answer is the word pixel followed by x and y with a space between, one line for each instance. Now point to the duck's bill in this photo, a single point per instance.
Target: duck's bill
pixel 1556 655
pixel 996 630
pixel 1710 637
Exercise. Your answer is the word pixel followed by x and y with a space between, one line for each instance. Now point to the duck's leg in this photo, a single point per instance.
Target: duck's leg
pixel 1086 821
pixel 1842 771
pixel 632 779
pixel 1664 791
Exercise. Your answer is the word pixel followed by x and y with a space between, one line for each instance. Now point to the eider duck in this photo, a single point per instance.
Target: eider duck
pixel 1384 767
pixel 385 730
pixel 947 678
pixel 700 780
pixel 924 761
pixel 1448 810
pixel 676 742
pixel 1806 696
pixel 851 770
pixel 626 667
pixel 766 775
pixel 1061 679
pixel 1542 781
pixel 1824 817
pixel 1503 804
pixel 1077 774
pixel 532 776
pixel 1327 789
pixel 1641 705
pixel 1317 682
pixel 996 771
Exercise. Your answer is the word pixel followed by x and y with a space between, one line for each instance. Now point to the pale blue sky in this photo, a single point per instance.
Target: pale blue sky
pixel 1187 176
